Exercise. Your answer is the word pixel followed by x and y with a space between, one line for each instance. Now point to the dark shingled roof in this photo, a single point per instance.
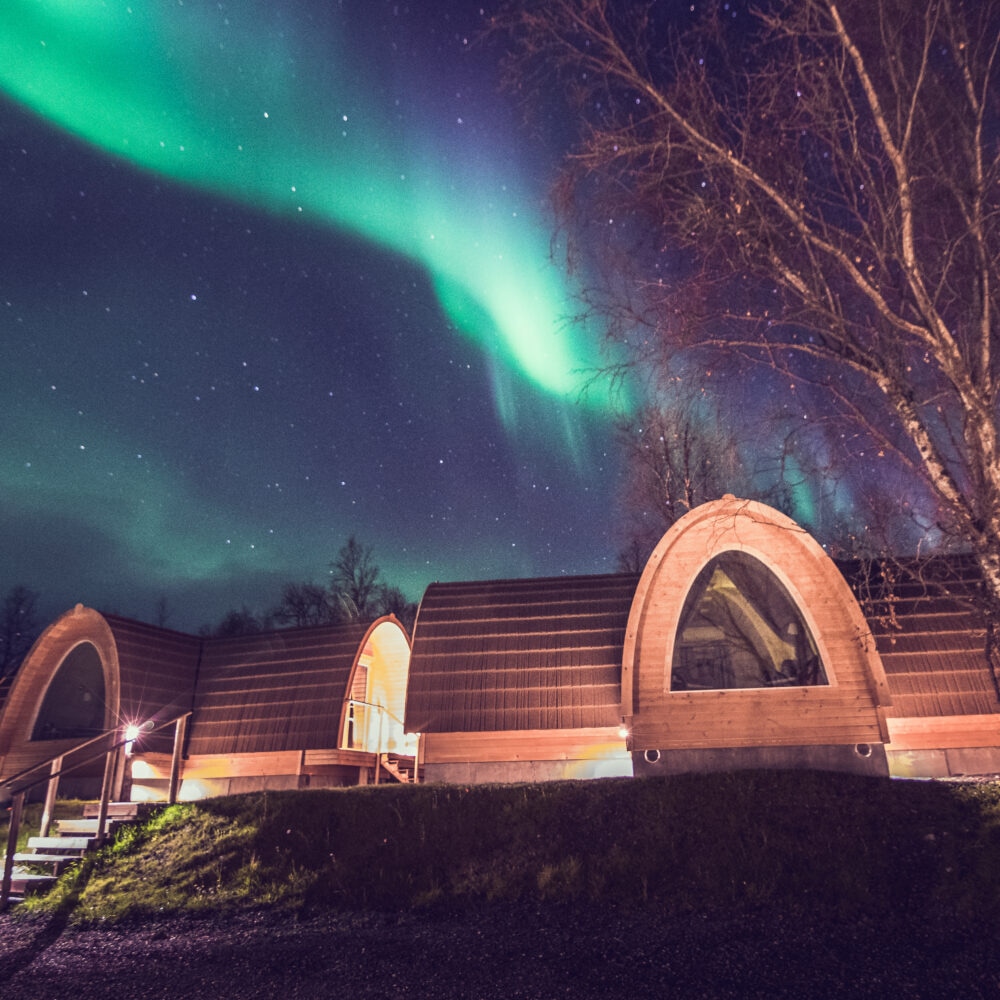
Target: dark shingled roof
pixel 519 654
pixel 274 691
pixel 929 635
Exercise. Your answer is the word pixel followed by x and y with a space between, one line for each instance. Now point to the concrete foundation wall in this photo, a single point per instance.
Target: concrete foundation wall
pixel 507 772
pixel 868 758
pixel 954 762
pixel 155 789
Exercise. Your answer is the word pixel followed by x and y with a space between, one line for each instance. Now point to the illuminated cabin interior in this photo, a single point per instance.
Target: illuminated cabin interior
pixel 741 644
pixel 373 714
pixel 739 628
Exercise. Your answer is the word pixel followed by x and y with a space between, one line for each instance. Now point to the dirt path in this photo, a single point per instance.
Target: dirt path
pixel 492 953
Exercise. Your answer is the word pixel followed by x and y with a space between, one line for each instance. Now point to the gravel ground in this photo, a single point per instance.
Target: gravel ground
pixel 492 953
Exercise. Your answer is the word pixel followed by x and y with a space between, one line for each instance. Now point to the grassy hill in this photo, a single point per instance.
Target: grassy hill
pixel 885 850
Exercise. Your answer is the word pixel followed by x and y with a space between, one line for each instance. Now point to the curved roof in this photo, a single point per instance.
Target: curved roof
pixel 148 672
pixel 272 691
pixel 157 669
pixel 275 691
pixel 519 654
pixel 929 635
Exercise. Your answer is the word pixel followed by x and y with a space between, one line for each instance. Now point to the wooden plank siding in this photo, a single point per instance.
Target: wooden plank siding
pixel 158 668
pixel 519 655
pixel 849 710
pixel 145 670
pixel 258 702
pixel 931 733
pixel 521 745
pixel 546 670
pixel 274 691
pixel 931 638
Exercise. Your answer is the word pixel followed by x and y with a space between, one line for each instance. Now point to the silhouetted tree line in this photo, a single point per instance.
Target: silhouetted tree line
pixel 19 627
pixel 355 592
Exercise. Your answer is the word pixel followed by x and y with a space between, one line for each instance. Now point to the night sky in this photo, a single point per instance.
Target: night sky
pixel 274 274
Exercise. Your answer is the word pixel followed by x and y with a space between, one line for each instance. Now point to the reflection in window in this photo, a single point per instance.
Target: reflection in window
pixel 73 707
pixel 740 629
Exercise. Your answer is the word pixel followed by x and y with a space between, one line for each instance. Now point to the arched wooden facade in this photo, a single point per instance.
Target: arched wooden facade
pixel 144 671
pixel 839 722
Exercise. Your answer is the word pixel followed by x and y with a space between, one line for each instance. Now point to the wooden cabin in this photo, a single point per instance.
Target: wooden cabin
pixel 295 708
pixel 89 673
pixel 520 680
pixel 286 709
pixel 746 648
pixel 741 644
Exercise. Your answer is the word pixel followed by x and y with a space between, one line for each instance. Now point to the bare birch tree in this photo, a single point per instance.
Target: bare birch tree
pixel 829 174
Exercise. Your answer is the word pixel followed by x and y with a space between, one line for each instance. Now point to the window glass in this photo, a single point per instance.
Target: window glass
pixel 73 707
pixel 740 629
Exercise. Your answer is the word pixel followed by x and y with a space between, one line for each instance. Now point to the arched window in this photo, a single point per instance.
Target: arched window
pixel 73 707
pixel 739 628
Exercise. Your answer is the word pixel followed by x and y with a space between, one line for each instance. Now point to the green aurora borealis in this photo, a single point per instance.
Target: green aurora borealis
pixel 275 274
pixel 256 110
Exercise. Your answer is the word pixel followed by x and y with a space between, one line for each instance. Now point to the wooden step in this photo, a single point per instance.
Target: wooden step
pixel 54 844
pixel 56 861
pixel 121 810
pixel 24 883
pixel 73 838
pixel 400 767
pixel 86 827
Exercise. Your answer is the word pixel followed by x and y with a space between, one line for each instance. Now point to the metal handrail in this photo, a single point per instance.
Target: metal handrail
pixel 379 708
pixel 15 787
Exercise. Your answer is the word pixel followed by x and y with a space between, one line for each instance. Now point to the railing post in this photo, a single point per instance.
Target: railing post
pixel 50 796
pixel 180 728
pixel 378 747
pixel 120 776
pixel 110 767
pixel 16 807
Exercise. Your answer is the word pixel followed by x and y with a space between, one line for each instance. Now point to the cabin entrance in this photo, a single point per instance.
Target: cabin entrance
pixel 373 719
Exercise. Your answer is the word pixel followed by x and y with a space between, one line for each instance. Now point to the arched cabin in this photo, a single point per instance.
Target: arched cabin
pixel 746 647
pixel 286 709
pixel 741 644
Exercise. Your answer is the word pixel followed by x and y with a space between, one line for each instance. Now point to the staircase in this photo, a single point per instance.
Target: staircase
pixel 399 766
pixel 73 839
